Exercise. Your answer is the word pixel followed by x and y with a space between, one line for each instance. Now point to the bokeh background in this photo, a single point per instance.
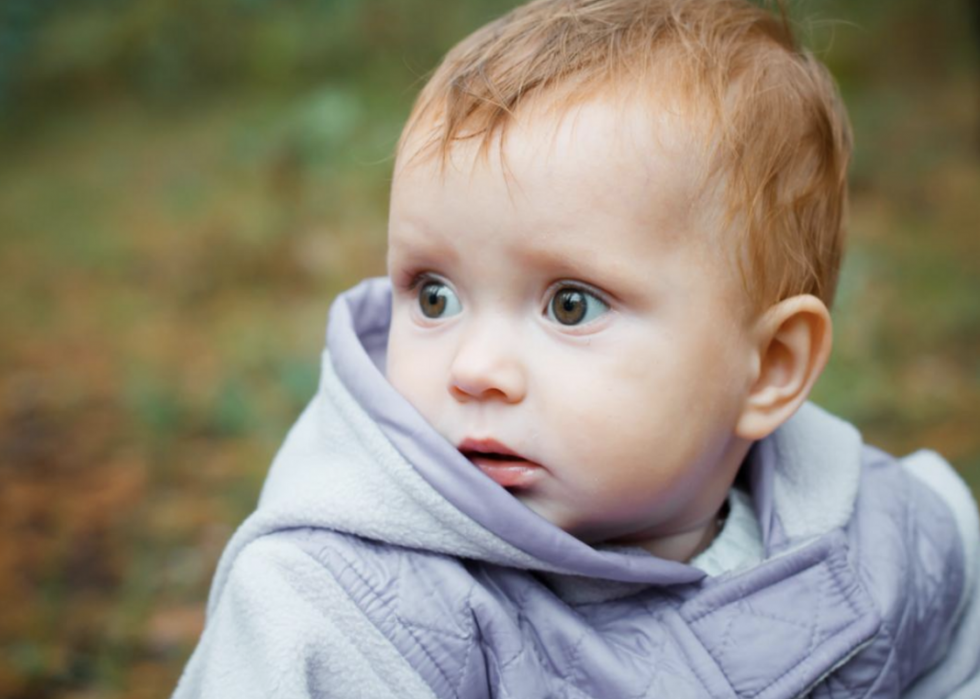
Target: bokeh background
pixel 185 186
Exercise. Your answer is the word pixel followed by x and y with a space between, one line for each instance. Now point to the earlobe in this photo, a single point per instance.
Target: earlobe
pixel 795 337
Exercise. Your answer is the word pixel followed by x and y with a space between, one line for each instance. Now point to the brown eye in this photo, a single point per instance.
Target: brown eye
pixel 436 300
pixel 570 306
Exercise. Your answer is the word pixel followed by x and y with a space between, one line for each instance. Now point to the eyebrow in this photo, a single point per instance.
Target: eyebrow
pixel 419 241
pixel 608 271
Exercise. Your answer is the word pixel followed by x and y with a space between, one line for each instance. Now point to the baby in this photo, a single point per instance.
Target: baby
pixel 566 450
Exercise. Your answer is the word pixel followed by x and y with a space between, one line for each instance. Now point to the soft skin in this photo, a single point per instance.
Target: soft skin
pixel 637 413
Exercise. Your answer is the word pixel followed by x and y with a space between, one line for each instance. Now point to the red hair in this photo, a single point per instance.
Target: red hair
pixel 776 134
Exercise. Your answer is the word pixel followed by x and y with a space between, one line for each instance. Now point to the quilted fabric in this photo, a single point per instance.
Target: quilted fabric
pixel 802 619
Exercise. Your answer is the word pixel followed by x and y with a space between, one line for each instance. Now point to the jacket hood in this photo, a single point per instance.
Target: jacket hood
pixel 362 460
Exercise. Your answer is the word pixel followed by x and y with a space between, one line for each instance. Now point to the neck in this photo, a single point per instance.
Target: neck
pixel 685 545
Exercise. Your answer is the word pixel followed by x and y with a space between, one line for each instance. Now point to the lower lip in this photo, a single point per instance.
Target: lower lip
pixel 509 474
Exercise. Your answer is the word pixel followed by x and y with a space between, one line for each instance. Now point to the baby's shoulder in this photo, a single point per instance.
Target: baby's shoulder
pixel 914 536
pixel 419 601
pixel 914 516
pixel 918 492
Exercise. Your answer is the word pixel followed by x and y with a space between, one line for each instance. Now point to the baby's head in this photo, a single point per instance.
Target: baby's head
pixel 614 235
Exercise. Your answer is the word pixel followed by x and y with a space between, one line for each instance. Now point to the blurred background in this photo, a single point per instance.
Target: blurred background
pixel 185 186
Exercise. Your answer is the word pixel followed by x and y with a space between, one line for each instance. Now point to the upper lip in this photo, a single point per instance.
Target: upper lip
pixel 470 446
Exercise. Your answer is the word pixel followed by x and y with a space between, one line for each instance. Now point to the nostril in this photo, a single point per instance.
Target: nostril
pixel 465 392
pixel 458 393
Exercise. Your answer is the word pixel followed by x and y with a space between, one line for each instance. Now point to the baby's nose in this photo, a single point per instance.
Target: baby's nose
pixel 488 366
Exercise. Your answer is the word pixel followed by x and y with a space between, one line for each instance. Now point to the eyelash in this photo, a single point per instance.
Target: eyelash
pixel 577 286
pixel 417 280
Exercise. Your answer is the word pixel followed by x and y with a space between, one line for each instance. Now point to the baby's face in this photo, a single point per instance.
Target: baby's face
pixel 570 320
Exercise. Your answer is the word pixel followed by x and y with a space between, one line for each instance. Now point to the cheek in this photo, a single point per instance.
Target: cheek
pixel 632 407
pixel 410 369
pixel 603 409
pixel 403 381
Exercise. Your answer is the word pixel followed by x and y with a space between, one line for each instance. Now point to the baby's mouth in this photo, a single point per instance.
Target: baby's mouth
pixel 502 464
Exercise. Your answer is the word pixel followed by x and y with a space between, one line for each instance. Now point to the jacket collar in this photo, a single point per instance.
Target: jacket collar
pixel 803 478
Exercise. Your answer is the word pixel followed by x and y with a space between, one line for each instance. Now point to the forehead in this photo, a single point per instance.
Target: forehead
pixel 600 158
pixel 598 193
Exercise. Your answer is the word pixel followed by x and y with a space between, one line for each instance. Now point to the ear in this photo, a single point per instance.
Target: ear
pixel 793 346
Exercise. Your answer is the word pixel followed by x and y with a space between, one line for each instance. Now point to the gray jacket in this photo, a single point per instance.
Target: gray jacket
pixel 380 563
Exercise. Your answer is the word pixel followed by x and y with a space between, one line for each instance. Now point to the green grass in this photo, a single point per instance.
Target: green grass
pixel 167 282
